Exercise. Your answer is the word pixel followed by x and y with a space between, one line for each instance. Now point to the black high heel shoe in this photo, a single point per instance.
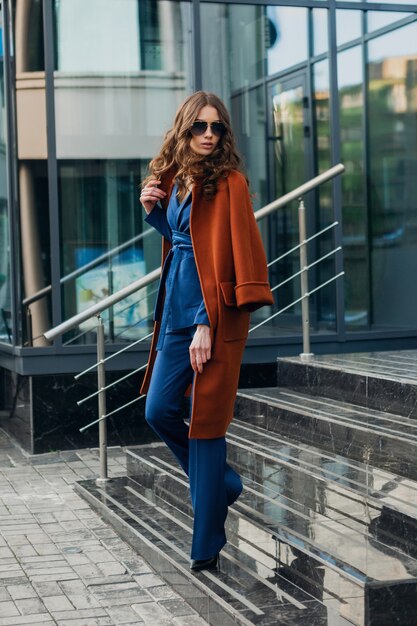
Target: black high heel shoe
pixel 199 565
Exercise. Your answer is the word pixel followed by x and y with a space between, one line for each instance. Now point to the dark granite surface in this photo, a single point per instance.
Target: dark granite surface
pixel 336 528
pixel 385 381
pixel 382 439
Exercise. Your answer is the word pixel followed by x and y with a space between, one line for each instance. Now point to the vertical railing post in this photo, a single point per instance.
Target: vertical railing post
pixel 29 331
pixel 110 290
pixel 305 308
pixel 102 409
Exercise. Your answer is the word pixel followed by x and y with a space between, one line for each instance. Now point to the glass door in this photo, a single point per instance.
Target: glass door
pixel 290 159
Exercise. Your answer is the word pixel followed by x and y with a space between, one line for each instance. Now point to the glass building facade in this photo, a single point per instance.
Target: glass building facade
pixel 89 87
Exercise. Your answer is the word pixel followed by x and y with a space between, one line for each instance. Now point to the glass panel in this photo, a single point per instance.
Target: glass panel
pixel 286 140
pixel 105 98
pixel 129 36
pixel 288 40
pixel 320 35
pixel 5 300
pixel 249 120
pixel 378 19
pixel 356 280
pixel 398 1
pixel 117 87
pixel 29 36
pixel 99 211
pixel 348 25
pixel 325 298
pixel 392 97
pixel 233 46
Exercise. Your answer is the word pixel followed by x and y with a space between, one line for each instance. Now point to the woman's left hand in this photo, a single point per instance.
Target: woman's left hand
pixel 200 348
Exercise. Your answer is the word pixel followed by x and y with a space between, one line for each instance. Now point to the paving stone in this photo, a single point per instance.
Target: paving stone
pixel 163 593
pixel 152 613
pixel 57 603
pixel 5 553
pixel 17 592
pixel 25 550
pixel 51 577
pixel 176 607
pixel 42 560
pixel 8 609
pixel 41 618
pixel 56 571
pixel 113 568
pixel 128 596
pixel 4 594
pixel 47 588
pixel 77 559
pixel 190 620
pixel 87 571
pixel 84 601
pixel 30 606
pixel 82 618
pixel 45 549
pixel 123 614
pixel 149 580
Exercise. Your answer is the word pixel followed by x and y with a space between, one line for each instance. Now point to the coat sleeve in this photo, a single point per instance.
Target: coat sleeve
pixel 252 288
pixel 158 219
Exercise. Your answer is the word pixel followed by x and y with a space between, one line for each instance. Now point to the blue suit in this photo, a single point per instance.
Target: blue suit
pixel 214 485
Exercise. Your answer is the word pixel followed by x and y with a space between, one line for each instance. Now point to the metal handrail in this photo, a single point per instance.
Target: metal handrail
pixel 97 308
pixel 88 266
pixel 300 191
pixel 109 301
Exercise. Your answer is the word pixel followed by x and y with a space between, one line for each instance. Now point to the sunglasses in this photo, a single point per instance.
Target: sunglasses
pixel 199 128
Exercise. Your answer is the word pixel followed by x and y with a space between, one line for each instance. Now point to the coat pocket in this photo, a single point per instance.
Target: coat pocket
pixel 234 323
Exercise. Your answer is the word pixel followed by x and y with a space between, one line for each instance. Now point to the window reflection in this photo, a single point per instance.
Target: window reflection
pixel 393 185
pixel 379 19
pixel 350 78
pixel 233 39
pixel 128 36
pixel 107 102
pixel 249 120
pixel 325 298
pixel 348 25
pixel 288 37
pixel 320 34
pixel 98 211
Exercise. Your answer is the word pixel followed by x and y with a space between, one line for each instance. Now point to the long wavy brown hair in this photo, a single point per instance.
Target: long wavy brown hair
pixel 176 154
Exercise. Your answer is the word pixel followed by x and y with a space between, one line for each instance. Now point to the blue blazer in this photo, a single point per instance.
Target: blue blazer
pixel 184 303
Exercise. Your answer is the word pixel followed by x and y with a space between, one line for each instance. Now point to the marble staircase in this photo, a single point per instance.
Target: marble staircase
pixel 325 532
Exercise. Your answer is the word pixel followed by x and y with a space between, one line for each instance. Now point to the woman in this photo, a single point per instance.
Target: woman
pixel 214 273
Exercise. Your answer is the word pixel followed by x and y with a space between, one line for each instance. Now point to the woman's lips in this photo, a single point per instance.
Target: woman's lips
pixel 206 145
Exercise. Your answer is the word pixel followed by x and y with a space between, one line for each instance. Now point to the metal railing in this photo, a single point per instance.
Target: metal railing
pixel 106 256
pixel 111 300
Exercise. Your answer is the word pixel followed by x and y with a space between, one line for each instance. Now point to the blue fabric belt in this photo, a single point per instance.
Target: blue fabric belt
pixel 181 248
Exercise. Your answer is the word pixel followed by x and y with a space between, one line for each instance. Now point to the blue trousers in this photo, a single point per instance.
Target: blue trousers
pixel 214 485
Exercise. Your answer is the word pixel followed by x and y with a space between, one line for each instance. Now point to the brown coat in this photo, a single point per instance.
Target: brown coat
pixel 231 265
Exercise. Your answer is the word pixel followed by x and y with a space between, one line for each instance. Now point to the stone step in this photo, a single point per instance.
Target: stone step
pixel 338 559
pixel 243 591
pixel 386 381
pixel 371 436
pixel 359 496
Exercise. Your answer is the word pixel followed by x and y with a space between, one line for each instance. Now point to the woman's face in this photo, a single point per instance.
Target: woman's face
pixel 205 144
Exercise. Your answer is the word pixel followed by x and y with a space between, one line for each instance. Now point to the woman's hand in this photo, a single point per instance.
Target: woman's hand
pixel 150 195
pixel 200 347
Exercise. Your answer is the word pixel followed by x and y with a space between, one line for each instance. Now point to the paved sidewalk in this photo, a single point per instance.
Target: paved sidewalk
pixel 59 562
